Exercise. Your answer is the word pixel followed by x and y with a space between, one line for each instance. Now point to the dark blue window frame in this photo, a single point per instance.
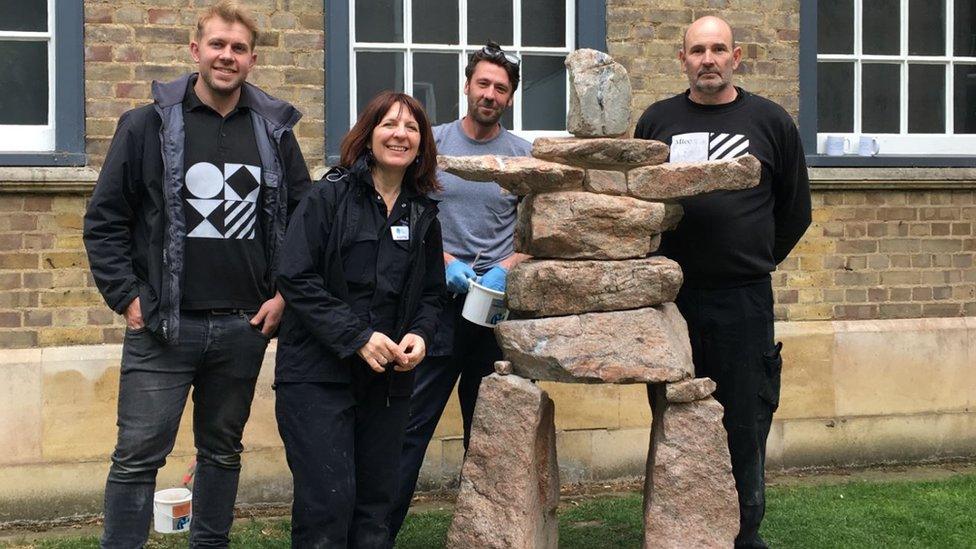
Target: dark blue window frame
pixel 591 32
pixel 69 96
pixel 808 112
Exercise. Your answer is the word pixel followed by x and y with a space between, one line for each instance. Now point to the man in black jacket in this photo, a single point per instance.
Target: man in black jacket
pixel 182 233
pixel 728 242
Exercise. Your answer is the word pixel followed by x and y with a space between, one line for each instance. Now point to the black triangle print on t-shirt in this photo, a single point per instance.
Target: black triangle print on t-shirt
pixel 241 182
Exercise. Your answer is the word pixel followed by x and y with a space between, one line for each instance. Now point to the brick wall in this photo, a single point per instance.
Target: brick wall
pixel 47 296
pixel 882 254
pixel 645 36
pixel 130 44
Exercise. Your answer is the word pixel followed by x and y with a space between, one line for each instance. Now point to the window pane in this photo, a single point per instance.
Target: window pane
pixel 435 21
pixel 489 21
pixel 835 27
pixel 965 28
pixel 435 85
pixel 881 27
pixel 379 20
pixel 835 97
pixel 23 79
pixel 964 99
pixel 508 119
pixel 376 72
pixel 926 27
pixel 23 15
pixel 879 98
pixel 926 98
pixel 544 23
pixel 543 93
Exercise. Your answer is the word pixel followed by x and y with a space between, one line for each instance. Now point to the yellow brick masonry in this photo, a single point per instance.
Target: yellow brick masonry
pixel 130 44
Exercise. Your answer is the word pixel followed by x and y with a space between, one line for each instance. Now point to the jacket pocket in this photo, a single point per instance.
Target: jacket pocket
pixel 773 369
pixel 359 261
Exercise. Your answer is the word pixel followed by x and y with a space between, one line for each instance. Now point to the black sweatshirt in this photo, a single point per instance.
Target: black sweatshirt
pixel 733 238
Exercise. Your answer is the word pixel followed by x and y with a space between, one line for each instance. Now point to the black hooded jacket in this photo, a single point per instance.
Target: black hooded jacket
pixel 320 333
pixel 135 227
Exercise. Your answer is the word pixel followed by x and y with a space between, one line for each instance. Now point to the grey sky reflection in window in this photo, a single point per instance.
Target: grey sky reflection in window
pixel 435 85
pixel 379 20
pixel 435 22
pixel 544 81
pixel 375 72
pixel 24 81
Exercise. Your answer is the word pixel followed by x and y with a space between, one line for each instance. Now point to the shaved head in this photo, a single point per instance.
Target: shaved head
pixel 708 58
pixel 712 22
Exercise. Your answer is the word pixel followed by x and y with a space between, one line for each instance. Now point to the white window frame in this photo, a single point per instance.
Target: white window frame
pixel 463 51
pixel 903 142
pixel 34 138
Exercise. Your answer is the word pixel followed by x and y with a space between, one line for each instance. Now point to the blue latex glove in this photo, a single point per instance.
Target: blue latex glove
pixel 494 278
pixel 458 273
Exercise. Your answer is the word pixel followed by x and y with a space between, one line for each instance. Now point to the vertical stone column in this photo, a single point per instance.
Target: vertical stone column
pixel 510 479
pixel 689 495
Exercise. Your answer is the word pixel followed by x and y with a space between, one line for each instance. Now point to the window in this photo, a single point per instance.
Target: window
pixel 421 47
pixel 901 70
pixel 41 83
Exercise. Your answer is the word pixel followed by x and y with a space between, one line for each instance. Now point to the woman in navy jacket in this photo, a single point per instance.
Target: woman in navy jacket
pixel 362 274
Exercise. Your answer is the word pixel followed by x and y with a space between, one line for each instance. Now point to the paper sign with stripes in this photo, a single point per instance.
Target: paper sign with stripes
pixel 701 146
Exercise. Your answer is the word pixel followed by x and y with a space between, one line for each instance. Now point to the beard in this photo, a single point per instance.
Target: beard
pixel 711 85
pixel 474 111
pixel 220 87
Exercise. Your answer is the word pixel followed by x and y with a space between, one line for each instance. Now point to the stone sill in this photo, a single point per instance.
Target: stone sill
pixel 66 180
pixel 891 179
pixel 81 180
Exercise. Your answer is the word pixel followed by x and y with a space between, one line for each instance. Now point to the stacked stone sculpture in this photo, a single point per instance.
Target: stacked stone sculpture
pixel 593 306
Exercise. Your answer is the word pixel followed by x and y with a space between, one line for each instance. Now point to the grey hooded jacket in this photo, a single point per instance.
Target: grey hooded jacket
pixel 135 227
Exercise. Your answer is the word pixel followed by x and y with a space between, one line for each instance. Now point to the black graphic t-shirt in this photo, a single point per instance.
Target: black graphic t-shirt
pixel 730 238
pixel 226 264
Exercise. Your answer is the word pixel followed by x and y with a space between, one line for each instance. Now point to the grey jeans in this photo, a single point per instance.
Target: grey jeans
pixel 219 356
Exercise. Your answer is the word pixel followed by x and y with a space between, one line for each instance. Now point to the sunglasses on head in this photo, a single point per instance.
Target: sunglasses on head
pixel 497 53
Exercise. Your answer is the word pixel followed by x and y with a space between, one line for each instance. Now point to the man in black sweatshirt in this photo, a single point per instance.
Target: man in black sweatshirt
pixel 728 242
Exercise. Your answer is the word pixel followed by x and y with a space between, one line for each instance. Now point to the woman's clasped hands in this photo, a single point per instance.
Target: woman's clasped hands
pixel 381 351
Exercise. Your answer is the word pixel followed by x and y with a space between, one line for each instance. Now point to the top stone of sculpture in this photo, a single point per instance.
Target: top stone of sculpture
pixel 599 95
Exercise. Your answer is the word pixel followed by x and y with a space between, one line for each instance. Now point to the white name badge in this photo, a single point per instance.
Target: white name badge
pixel 400 232
pixel 689 147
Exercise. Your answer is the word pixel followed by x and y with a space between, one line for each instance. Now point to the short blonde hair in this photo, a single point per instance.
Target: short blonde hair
pixel 231 12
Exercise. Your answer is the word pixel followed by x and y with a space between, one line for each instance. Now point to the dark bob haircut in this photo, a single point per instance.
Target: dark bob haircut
pixel 422 174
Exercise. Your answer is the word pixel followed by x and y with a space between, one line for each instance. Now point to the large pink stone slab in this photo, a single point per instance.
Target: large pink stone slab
pixel 580 225
pixel 673 181
pixel 518 175
pixel 559 287
pixel 601 152
pixel 647 345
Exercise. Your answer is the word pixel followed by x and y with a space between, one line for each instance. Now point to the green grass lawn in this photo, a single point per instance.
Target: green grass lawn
pixel 930 514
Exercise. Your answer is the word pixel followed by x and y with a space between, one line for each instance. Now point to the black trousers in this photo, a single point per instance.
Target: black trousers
pixel 475 351
pixel 343 449
pixel 732 342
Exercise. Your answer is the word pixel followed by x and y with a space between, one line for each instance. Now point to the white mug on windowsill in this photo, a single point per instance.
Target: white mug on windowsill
pixel 868 146
pixel 837 145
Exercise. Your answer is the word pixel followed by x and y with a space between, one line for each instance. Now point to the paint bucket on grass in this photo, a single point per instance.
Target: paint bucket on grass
pixel 484 306
pixel 172 510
